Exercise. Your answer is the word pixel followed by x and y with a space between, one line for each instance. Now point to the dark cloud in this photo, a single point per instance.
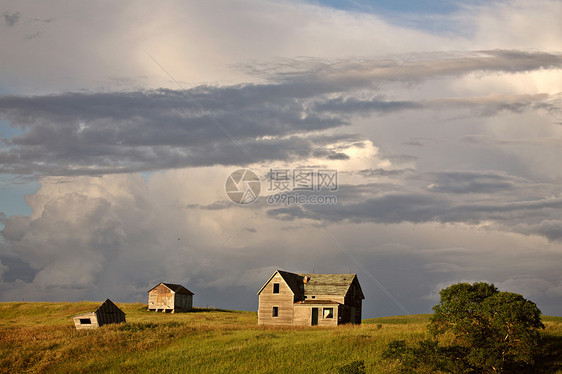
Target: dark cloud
pixel 419 208
pixel 472 182
pixel 385 173
pixel 117 132
pixel 515 204
pixel 338 156
pixel 354 105
pixel 122 132
pixel 16 269
pixel 287 214
pixel 11 18
pixel 481 106
pixel 551 229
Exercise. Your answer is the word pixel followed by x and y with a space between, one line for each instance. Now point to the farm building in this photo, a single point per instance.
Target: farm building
pixel 310 299
pixel 106 313
pixel 169 297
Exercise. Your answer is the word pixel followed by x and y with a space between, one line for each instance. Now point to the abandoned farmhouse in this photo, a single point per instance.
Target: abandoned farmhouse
pixel 170 298
pixel 108 312
pixel 310 299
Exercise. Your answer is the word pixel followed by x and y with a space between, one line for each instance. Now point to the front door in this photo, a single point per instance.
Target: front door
pixel 314 316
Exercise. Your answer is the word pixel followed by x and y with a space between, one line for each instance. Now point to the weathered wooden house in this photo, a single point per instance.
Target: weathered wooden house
pixel 170 298
pixel 106 313
pixel 310 299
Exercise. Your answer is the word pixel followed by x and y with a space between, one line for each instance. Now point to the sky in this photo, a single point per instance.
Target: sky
pixel 417 144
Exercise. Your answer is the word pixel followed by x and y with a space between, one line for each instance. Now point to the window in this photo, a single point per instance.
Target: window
pixel 313 297
pixel 275 311
pixel 275 287
pixel 328 312
pixel 85 321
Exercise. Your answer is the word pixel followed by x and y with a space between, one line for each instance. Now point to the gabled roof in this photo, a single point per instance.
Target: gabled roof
pixel 294 281
pixel 318 284
pixel 177 288
pixel 108 307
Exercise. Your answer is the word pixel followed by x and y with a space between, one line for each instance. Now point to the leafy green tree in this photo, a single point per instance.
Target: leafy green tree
pixel 499 328
pixel 490 331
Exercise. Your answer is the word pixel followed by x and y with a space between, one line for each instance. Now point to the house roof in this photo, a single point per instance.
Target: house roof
pixel 177 288
pixel 328 284
pixel 318 284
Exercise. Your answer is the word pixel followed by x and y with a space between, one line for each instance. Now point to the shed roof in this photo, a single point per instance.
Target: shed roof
pixel 177 288
pixel 108 307
pixel 89 314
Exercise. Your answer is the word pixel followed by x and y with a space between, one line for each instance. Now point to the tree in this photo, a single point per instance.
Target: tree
pixel 499 328
pixel 488 331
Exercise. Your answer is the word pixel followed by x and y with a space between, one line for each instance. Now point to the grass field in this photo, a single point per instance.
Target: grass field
pixel 40 337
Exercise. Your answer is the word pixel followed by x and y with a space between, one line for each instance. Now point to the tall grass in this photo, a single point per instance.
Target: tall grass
pixel 40 337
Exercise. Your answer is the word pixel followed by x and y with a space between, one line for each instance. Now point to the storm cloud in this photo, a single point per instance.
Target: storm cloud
pixel 98 133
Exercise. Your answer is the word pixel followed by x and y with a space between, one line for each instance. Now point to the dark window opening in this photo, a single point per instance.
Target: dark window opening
pixel 275 311
pixel 85 321
pixel 313 297
pixel 275 287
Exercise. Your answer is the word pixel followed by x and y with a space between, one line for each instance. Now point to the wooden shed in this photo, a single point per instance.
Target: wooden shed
pixel 170 298
pixel 108 312
pixel 310 299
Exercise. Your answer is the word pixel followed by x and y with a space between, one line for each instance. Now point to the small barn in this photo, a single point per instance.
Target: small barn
pixel 108 312
pixel 170 298
pixel 291 299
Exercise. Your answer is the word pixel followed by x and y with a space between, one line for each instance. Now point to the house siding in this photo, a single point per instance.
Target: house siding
pixel 303 315
pixel 283 301
pixel 352 304
pixel 183 303
pixel 161 298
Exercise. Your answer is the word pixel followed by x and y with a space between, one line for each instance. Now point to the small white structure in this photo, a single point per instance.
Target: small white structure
pixel 108 312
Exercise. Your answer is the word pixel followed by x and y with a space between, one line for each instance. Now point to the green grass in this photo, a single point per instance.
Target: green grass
pixel 40 337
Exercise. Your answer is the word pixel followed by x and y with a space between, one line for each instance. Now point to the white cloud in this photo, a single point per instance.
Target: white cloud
pixel 199 42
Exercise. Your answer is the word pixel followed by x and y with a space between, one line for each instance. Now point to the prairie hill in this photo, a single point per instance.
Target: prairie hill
pixel 40 337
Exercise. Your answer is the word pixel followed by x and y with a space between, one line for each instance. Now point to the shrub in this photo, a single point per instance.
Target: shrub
pixel 356 367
